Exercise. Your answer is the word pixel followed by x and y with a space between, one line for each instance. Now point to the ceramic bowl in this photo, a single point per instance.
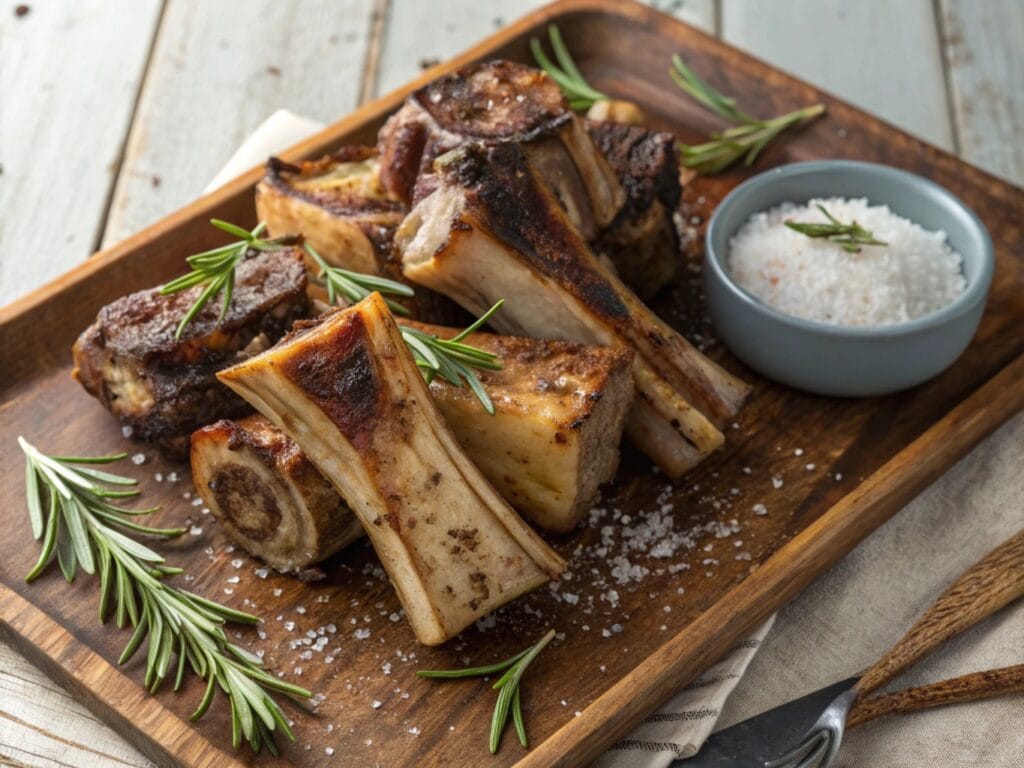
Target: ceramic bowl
pixel 838 360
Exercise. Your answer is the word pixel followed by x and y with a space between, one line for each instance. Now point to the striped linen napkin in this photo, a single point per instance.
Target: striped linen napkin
pixel 679 729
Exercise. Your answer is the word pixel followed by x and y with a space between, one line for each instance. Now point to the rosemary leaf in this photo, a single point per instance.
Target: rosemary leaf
pixel 849 237
pixel 179 629
pixel 215 269
pixel 580 93
pixel 452 360
pixel 509 697
pixel 742 141
pixel 355 286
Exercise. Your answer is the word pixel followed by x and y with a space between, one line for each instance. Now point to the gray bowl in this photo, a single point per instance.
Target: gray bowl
pixel 837 360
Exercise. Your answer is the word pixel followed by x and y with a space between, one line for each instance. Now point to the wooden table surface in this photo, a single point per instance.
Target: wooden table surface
pixel 116 112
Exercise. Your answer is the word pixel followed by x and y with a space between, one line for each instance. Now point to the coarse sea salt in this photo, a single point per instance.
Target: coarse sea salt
pixel 916 273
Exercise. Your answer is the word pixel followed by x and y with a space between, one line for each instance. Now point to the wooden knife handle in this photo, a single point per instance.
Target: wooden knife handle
pixel 977 685
pixel 986 587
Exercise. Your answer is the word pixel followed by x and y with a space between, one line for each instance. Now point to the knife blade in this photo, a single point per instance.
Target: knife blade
pixel 750 743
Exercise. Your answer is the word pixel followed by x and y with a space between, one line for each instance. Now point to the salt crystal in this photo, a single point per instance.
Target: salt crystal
pixel 760 509
pixel 414 731
pixel 278 592
pixel 328 751
pixel 158 476
pixel 810 467
pixel 798 452
pixel 747 470
pixel 776 482
pixel 139 458
pixel 172 477
pixel 290 626
pixel 361 634
pixel 228 591
pixel 233 580
pixel 300 609
pixel 376 704
pixel 126 431
pixel 195 530
pixel 262 573
pixel 839 476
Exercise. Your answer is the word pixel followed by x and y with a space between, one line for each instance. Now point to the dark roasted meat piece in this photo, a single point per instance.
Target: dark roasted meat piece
pixel 163 388
pixel 500 102
pixel 641 242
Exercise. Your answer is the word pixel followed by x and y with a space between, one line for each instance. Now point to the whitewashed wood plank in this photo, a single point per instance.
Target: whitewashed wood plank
pixel 882 56
pixel 220 69
pixel 42 726
pixel 419 34
pixel 984 45
pixel 69 74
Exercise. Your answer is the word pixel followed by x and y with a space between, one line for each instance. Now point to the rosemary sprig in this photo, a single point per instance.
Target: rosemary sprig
pixel 744 140
pixel 849 237
pixel 215 268
pixel 580 93
pixel 452 360
pixel 356 286
pixel 509 699
pixel 90 533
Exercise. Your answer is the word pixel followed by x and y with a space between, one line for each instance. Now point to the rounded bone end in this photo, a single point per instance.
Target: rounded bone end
pixel 266 495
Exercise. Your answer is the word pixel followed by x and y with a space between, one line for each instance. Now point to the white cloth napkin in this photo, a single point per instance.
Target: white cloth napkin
pixel 679 728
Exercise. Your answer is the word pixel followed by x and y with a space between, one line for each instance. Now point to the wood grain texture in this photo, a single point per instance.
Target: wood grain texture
pixel 215 76
pixel 406 51
pixel 986 81
pixel 874 54
pixel 865 444
pixel 63 125
pixel 992 583
pixel 958 690
pixel 43 725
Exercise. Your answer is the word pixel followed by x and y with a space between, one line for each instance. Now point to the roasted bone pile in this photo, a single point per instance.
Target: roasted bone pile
pixel 483 186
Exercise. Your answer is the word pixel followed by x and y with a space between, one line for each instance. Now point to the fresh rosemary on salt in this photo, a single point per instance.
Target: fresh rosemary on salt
pixel 849 237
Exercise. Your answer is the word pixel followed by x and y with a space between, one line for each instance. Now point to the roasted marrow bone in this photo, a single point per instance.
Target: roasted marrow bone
pixel 491 229
pixel 340 206
pixel 267 496
pixel 641 242
pixel 495 102
pixel 553 439
pixel 163 388
pixel 348 392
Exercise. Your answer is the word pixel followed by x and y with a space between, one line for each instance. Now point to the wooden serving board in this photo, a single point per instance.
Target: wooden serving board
pixel 638 621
